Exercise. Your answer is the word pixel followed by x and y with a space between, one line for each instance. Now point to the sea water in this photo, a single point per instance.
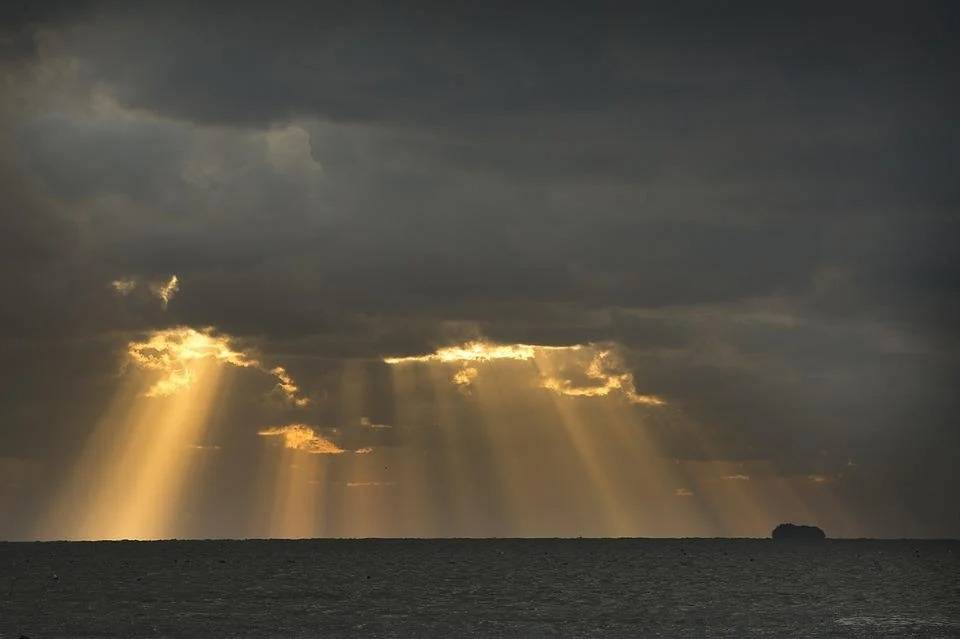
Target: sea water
pixel 481 588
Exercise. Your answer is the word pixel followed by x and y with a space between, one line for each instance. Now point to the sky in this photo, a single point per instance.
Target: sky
pixel 459 269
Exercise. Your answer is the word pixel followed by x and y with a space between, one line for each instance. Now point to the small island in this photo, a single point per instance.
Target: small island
pixel 792 532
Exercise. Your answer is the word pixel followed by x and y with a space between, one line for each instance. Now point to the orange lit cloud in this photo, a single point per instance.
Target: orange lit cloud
pixel 609 376
pixel 476 351
pixel 605 372
pixel 172 351
pixel 166 290
pixel 303 437
pixel 288 387
pixel 464 377
pixel 683 492
pixel 737 477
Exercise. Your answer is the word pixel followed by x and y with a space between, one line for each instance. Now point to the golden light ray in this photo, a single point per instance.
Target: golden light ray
pixel 457 469
pixel 129 480
pixel 615 516
pixel 299 489
pixel 510 472
pixel 421 515
pixel 354 506
pixel 670 511
pixel 479 375
pixel 301 502
pixel 638 489
pixel 132 473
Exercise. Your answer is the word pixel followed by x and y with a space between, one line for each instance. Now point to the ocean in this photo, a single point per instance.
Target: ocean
pixel 480 588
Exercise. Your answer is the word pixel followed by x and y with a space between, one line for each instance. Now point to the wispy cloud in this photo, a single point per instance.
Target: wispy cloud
pixel 164 290
pixel 366 423
pixel 123 286
pixel 287 387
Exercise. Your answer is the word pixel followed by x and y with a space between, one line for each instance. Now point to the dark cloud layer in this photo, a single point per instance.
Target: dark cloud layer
pixel 756 202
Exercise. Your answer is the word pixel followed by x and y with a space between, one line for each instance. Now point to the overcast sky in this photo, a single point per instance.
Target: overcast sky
pixel 751 206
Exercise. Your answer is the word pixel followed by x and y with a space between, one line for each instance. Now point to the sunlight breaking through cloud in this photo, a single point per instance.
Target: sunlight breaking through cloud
pixel 605 372
pixel 172 351
pixel 609 376
pixel 476 351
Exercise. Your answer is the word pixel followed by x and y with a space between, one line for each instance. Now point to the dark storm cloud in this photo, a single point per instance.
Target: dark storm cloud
pixel 756 201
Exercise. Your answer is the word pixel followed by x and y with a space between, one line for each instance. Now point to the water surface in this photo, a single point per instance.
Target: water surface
pixel 484 588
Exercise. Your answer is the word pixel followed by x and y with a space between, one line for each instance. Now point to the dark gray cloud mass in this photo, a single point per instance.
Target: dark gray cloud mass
pixel 757 201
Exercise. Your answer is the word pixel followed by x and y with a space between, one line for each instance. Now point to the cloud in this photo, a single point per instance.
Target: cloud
pixel 683 492
pixel 205 447
pixel 163 290
pixel 288 387
pixel 604 371
pixel 175 381
pixel 304 438
pixel 166 290
pixel 608 374
pixel 737 477
pixel 366 484
pixel 476 351
pixel 123 286
pixel 465 377
pixel 769 243
pixel 172 351
pixel 365 422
